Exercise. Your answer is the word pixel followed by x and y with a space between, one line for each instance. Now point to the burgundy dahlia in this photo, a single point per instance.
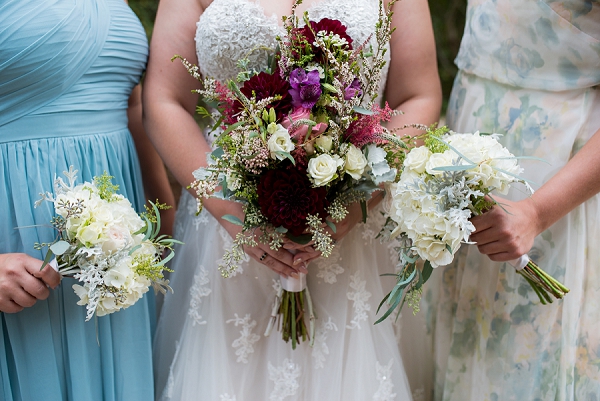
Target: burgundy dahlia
pixel 286 197
pixel 331 26
pixel 265 85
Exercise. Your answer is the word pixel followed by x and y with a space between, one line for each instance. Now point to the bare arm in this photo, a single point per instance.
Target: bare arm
pixel 169 106
pixel 413 85
pixel 505 236
pixel 154 174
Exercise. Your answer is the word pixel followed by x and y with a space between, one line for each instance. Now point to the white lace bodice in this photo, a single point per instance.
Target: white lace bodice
pixel 230 30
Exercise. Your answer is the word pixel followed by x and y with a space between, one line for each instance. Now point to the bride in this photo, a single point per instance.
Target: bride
pixel 210 342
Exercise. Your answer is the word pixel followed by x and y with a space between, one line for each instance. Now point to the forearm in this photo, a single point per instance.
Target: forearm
pixel 575 183
pixel 423 109
pixel 184 149
pixel 154 175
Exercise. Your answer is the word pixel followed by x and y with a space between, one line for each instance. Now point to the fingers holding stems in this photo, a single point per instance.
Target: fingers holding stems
pixel 280 261
pixel 22 283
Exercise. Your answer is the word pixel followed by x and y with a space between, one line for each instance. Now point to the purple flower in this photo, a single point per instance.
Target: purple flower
pixel 353 90
pixel 306 88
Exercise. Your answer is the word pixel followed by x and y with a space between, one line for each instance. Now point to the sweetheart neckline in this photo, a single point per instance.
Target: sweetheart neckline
pixel 273 17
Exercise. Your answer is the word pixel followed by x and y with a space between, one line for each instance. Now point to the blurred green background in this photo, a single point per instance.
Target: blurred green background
pixel 448 18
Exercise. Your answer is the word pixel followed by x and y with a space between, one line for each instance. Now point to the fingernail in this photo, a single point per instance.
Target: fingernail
pixel 297 261
pixel 294 275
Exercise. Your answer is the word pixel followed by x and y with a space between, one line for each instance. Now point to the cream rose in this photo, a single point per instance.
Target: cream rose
pixel 439 160
pixel 355 162
pixel 323 168
pixel 325 142
pixel 91 233
pixel 117 237
pixel 280 141
pixel 417 158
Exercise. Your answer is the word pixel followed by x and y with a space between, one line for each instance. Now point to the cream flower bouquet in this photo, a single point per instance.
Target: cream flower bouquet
pixel 443 184
pixel 114 252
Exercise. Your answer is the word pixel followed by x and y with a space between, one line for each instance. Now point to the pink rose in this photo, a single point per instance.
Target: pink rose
pixel 299 132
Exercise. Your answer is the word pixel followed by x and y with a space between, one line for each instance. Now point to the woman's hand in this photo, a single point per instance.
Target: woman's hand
pixel 22 283
pixel 280 261
pixel 507 232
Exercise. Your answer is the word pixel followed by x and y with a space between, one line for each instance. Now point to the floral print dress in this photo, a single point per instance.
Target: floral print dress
pixel 529 70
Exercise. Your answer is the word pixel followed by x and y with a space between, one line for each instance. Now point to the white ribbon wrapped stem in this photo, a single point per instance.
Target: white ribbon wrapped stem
pixel 292 284
pixel 519 263
pixel 54 264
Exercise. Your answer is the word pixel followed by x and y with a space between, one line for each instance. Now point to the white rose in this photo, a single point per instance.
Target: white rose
pixel 355 162
pixel 102 213
pixel 323 168
pixel 280 141
pixel 417 158
pixel 117 238
pixel 325 142
pixel 90 233
pixel 439 160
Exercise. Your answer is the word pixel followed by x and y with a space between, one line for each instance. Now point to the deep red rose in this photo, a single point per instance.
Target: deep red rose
pixel 286 197
pixel 331 26
pixel 265 85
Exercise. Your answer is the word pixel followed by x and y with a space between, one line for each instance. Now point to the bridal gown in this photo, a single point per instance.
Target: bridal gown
pixel 67 68
pixel 210 342
pixel 529 70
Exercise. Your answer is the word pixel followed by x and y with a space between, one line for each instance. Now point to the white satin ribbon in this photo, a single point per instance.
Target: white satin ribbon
pixel 291 284
pixel 519 263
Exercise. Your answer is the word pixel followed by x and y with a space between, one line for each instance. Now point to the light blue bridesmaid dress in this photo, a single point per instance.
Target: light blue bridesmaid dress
pixel 67 68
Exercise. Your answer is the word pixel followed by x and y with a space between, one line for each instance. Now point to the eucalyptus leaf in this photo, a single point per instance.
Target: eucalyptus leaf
pixel 362 110
pixel 232 127
pixel 331 225
pixel 60 247
pixel 217 153
pixel 462 167
pixel 233 219
pixel 427 270
pixel 47 259
pixel 286 155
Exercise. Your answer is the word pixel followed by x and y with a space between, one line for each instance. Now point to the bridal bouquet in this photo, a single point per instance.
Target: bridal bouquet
pixel 443 184
pixel 115 253
pixel 301 140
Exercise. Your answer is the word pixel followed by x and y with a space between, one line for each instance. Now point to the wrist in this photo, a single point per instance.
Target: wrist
pixel 536 215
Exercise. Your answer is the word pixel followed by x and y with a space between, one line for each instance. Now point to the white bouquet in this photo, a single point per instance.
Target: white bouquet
pixel 114 252
pixel 443 184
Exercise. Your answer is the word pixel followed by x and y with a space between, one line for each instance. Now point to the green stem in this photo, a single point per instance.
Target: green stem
pixel 293 319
